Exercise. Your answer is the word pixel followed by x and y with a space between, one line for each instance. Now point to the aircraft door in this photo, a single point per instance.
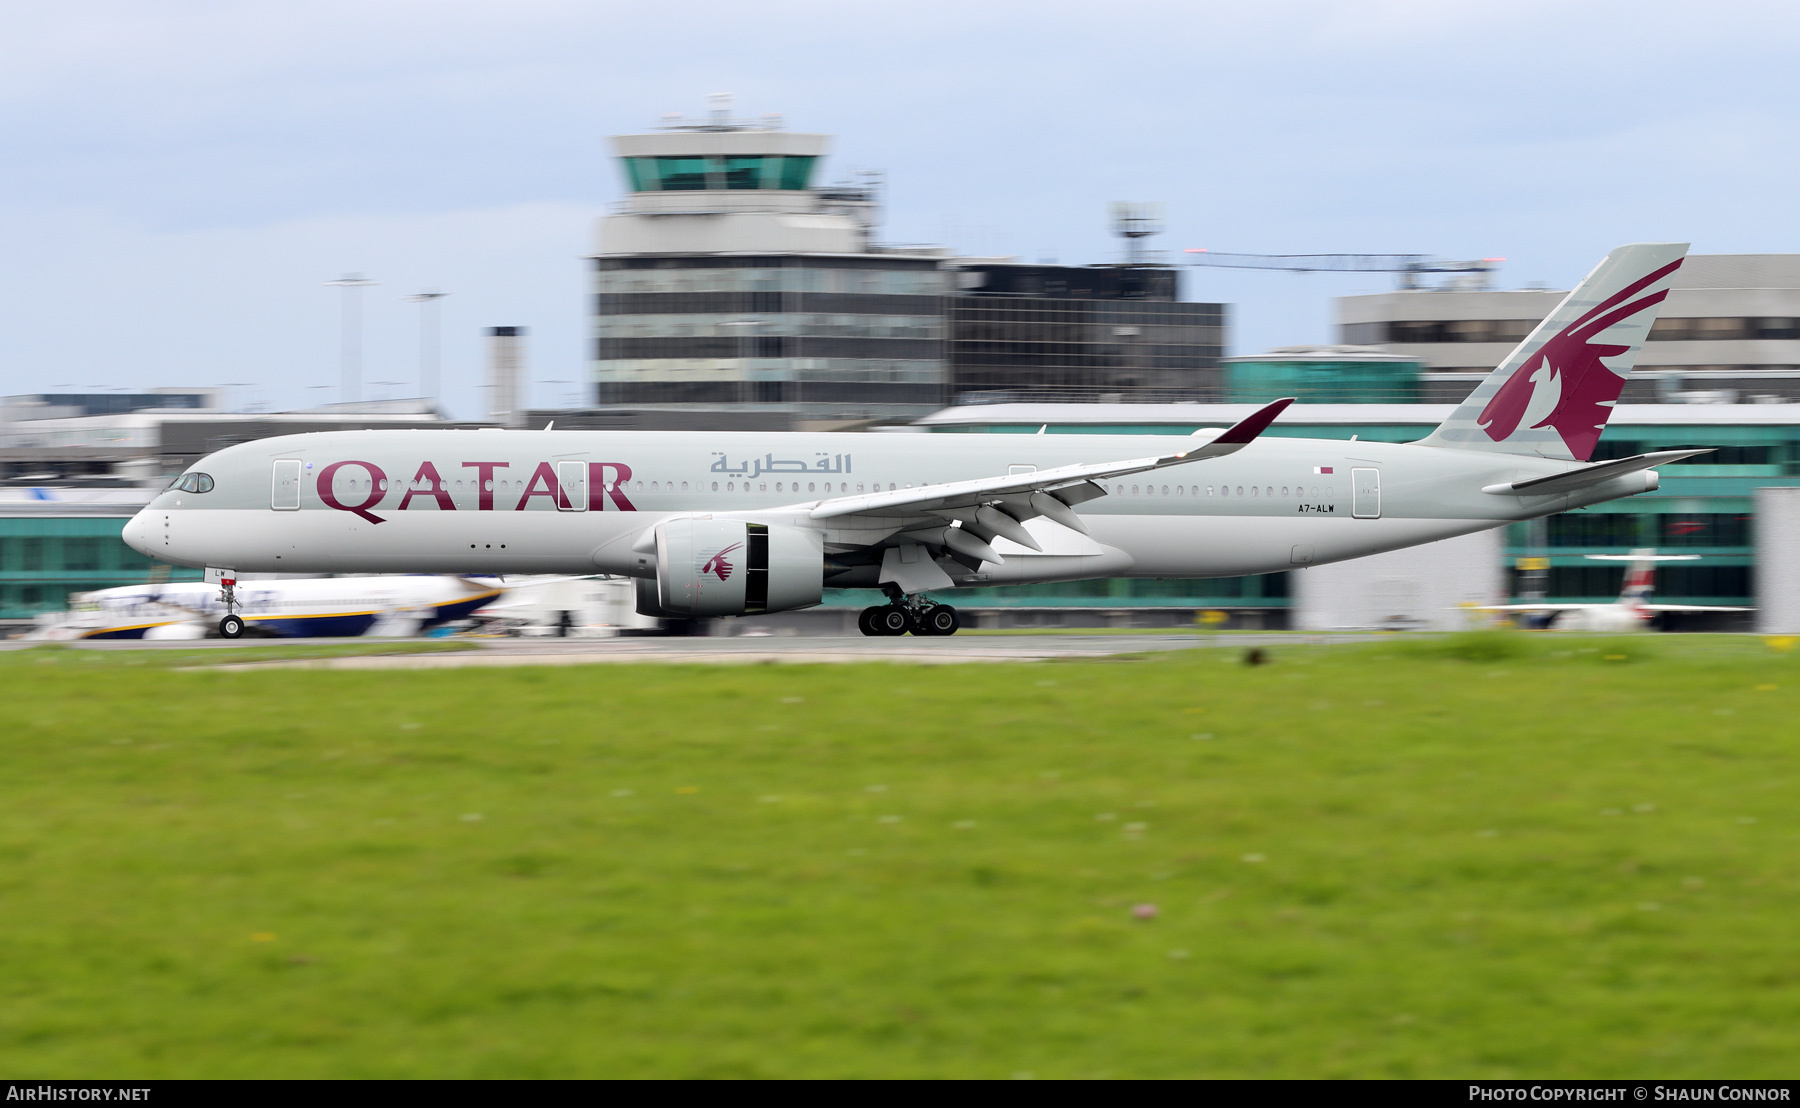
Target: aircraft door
pixel 284 486
pixel 571 486
pixel 1366 493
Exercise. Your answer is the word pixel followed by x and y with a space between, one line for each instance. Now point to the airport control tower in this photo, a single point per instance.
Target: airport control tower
pixel 729 277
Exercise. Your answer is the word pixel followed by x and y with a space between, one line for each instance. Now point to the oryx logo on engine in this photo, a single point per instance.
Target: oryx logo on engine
pixel 718 566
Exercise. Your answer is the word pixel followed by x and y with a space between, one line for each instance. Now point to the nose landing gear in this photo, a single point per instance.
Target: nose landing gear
pixel 232 626
pixel 906 613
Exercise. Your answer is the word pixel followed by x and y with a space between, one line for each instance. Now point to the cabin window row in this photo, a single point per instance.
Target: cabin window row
pixel 1268 491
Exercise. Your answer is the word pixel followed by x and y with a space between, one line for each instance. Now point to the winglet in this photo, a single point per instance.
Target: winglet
pixel 1253 424
pixel 1241 433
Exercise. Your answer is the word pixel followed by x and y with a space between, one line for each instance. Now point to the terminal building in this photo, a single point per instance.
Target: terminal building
pixel 142 439
pixel 1075 334
pixel 1729 332
pixel 57 541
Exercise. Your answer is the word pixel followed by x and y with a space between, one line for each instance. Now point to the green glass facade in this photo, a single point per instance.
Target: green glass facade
pixel 44 559
pixel 696 173
pixel 1322 380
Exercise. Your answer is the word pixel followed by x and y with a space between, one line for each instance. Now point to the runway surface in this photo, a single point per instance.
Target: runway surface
pixel 740 650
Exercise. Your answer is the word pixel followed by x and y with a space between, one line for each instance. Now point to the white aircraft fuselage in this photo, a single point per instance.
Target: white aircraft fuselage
pixel 427 501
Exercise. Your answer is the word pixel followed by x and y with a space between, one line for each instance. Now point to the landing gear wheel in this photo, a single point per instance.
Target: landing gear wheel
pixel 889 621
pixel 919 618
pixel 865 621
pixel 938 619
pixel 231 627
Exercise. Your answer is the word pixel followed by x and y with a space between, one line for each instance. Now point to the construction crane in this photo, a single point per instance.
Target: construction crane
pixel 1408 266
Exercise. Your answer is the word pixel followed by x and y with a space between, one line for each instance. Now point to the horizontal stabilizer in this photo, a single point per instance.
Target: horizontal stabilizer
pixel 1559 483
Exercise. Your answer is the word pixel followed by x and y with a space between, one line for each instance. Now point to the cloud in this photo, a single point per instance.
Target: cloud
pixel 181 176
pixel 100 301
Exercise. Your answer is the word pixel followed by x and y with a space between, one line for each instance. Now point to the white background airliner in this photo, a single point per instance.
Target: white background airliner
pixel 732 524
pixel 1631 612
pixel 398 605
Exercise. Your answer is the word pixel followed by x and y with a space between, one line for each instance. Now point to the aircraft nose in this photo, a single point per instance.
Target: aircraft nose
pixel 137 532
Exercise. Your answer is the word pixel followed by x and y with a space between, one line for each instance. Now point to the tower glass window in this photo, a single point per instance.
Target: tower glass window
pixel 745 172
pixel 796 172
pixel 693 173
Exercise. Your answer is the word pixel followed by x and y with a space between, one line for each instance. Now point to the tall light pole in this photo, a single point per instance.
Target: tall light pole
pixel 428 341
pixel 352 334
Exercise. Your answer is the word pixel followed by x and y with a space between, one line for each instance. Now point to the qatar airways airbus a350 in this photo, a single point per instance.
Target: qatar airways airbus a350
pixel 719 524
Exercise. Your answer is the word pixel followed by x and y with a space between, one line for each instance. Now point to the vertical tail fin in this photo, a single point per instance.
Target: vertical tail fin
pixel 1552 395
pixel 1640 578
pixel 1640 573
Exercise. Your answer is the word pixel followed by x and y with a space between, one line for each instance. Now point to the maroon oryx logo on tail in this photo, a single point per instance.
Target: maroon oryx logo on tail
pixel 718 565
pixel 1578 386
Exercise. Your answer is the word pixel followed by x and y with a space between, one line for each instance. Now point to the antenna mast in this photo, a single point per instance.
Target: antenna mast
pixel 1134 222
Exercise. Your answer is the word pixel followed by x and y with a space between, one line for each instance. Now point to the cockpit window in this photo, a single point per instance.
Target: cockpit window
pixel 192 482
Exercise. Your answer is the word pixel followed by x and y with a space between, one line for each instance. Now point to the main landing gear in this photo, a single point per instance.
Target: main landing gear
pixel 907 613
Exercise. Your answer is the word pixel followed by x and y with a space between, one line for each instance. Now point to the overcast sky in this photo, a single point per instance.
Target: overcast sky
pixel 180 179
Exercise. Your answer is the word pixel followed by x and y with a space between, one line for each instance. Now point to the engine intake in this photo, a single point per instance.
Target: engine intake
pixel 726 567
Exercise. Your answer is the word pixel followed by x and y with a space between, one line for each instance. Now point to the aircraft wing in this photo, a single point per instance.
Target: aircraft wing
pixel 1536 607
pixel 963 517
pixel 1691 608
pixel 1045 492
pixel 1580 607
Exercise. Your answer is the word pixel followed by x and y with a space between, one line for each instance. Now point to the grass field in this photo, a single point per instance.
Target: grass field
pixel 1502 855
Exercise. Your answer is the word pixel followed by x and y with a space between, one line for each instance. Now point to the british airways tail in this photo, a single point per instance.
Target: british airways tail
pixel 1640 573
pixel 1552 395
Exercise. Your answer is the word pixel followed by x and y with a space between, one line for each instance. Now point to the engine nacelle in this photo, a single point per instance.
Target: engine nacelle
pixel 726 567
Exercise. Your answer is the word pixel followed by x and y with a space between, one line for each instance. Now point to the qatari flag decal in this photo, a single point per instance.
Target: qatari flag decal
pixel 1321 469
